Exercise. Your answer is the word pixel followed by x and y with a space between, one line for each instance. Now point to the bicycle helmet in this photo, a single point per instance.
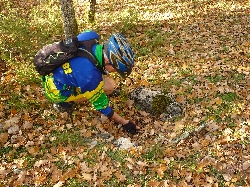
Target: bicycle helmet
pixel 120 54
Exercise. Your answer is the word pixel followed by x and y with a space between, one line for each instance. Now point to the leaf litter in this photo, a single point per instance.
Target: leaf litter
pixel 203 62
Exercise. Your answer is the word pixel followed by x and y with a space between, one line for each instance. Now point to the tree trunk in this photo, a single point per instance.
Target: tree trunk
pixel 92 10
pixel 69 20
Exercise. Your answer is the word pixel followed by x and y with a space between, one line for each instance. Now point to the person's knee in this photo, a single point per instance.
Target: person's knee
pixel 109 85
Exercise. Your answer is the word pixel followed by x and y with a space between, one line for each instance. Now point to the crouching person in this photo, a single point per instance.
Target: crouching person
pixel 79 79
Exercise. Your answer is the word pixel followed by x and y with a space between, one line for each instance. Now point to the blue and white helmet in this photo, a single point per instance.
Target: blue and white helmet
pixel 120 54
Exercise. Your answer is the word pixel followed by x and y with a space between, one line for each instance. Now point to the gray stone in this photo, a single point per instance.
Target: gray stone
pixel 144 97
pixel 123 143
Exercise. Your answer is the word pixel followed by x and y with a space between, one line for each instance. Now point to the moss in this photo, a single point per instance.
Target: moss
pixel 160 103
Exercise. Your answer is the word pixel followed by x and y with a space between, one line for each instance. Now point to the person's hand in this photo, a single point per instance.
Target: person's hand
pixel 130 127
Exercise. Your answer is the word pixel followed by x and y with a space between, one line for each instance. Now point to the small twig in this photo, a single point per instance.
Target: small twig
pixel 4 94
pixel 187 134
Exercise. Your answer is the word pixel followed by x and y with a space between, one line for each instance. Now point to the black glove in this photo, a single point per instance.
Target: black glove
pixel 130 127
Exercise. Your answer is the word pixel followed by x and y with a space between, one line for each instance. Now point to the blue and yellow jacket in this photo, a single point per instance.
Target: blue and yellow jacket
pixel 79 78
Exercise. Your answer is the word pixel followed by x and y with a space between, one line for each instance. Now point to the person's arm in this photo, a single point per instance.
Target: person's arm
pixel 119 119
pixel 100 102
pixel 126 124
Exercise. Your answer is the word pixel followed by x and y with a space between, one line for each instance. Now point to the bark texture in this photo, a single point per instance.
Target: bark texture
pixel 69 20
pixel 92 10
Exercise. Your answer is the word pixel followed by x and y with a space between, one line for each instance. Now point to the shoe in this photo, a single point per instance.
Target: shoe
pixel 64 107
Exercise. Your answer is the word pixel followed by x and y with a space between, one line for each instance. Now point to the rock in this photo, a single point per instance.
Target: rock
pixel 167 107
pixel 104 135
pixel 174 110
pixel 93 144
pixel 123 143
pixel 143 98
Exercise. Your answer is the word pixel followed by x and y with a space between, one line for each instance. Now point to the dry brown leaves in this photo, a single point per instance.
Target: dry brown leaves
pixel 209 52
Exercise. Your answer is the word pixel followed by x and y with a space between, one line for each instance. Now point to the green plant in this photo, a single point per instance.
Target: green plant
pixel 215 79
pixel 153 153
pixel 229 97
pixel 67 137
pixel 218 175
pixel 129 19
pixel 74 182
pixel 117 155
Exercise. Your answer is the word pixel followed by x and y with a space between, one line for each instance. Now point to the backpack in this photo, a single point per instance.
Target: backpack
pixel 54 55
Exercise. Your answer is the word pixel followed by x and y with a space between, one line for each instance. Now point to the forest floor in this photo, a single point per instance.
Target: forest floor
pixel 197 50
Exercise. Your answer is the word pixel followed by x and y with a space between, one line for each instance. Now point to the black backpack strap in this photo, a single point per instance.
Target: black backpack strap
pixel 86 51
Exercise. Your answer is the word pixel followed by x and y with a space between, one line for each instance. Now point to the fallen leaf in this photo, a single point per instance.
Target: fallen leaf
pixel 210 179
pixel 39 179
pixel 86 176
pixel 70 173
pixel 40 163
pixel 33 150
pixel 212 126
pixel 160 170
pixel 27 125
pixel 178 125
pixel 12 121
pixel 246 165
pixel 56 175
pixel 69 125
pixel 130 102
pixel 153 184
pixel 196 146
pixel 143 113
pixel 13 129
pixel 59 184
pixel 227 177
pixel 188 176
pixel 3 138
pixel 120 176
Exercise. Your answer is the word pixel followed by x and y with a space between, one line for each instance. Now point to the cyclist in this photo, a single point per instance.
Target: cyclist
pixel 79 79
